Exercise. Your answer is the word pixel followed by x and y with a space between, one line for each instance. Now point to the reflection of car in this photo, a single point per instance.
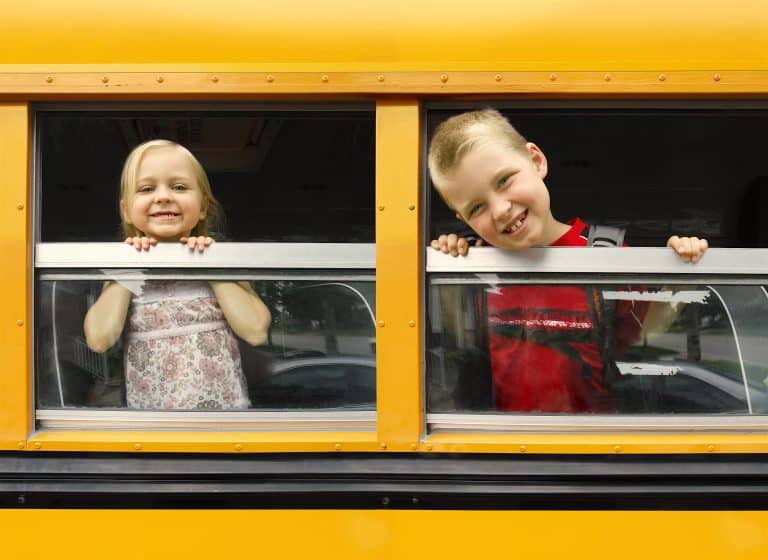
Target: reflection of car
pixel 683 386
pixel 327 382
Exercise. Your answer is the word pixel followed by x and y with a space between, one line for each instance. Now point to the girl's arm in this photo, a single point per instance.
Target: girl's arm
pixel 246 314
pixel 105 319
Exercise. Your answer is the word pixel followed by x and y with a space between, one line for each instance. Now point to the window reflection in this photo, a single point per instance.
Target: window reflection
pixel 647 350
pixel 320 351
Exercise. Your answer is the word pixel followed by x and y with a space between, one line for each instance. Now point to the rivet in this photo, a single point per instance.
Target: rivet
pixel 21 445
pixel 19 322
pixel 160 79
pixel 381 207
pixel 429 447
pixel 21 499
pixel 716 77
pixel 523 449
pixel 380 77
pixel 49 79
pixel 443 78
pixel 617 449
pixel 104 79
pixel 37 445
pixel 411 207
pixel 497 77
pixel 215 79
pixel 270 78
pixel 383 445
pixel 380 323
pixel 710 448
pixel 552 77
pixel 337 447
pixel 19 206
pixel 607 77
pixel 385 501
pixel 662 77
pixel 414 500
pixel 238 447
pixel 414 447
pixel 137 446
pixel 411 323
pixel 324 77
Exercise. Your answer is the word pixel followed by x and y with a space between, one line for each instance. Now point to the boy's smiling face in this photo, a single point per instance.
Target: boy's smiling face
pixel 500 193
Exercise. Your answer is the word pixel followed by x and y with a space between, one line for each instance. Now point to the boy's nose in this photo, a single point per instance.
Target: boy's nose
pixel 501 208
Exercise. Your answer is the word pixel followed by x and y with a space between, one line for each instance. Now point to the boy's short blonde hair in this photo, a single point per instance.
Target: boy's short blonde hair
pixel 456 137
pixel 128 185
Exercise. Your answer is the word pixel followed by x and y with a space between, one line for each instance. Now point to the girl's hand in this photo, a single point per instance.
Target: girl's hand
pixel 201 243
pixel 141 243
pixel 690 249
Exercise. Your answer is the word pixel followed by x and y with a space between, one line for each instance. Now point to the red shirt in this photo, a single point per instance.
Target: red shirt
pixel 545 345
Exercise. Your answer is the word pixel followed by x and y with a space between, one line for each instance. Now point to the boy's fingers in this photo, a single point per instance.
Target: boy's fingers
pixel 479 242
pixel 462 246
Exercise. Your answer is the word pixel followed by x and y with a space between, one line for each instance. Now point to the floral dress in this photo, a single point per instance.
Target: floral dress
pixel 179 350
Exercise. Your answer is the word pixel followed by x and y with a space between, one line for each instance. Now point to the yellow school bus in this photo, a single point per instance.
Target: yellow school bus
pixel 374 428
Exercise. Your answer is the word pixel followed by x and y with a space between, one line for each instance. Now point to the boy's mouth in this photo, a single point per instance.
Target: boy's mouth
pixel 516 224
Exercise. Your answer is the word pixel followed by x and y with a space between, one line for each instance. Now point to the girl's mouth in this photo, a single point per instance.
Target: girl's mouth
pixel 164 216
pixel 515 226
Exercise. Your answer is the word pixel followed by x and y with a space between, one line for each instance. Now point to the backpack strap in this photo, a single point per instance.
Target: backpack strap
pixel 605 236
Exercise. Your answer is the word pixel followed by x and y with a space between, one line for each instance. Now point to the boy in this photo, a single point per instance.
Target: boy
pixel 548 344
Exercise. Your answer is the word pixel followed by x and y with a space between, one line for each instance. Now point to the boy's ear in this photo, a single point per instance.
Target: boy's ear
pixel 538 158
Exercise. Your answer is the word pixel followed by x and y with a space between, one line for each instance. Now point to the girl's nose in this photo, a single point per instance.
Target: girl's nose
pixel 162 193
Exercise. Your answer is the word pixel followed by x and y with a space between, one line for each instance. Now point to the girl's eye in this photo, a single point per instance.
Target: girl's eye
pixel 144 189
pixel 503 181
pixel 179 187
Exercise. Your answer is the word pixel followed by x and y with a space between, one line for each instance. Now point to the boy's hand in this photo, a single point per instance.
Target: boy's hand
pixel 141 243
pixel 690 249
pixel 201 243
pixel 452 244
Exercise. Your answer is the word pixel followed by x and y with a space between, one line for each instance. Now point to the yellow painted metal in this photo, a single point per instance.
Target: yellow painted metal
pixel 399 250
pixel 14 261
pixel 201 442
pixel 348 35
pixel 233 84
pixel 615 443
pixel 377 534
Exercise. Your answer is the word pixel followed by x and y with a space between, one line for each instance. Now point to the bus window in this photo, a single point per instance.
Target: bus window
pixel 640 166
pixel 296 184
pixel 284 174
pixel 683 349
pixel 319 352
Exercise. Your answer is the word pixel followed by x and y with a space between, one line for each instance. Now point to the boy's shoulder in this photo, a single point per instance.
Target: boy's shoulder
pixel 581 234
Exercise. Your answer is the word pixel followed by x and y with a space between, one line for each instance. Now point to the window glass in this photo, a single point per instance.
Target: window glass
pixel 280 175
pixel 501 346
pixel 178 351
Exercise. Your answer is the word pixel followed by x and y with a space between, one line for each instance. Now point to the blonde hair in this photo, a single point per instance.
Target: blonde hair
pixel 456 137
pixel 128 185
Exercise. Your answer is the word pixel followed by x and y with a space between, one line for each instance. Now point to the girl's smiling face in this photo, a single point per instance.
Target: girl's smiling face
pixel 166 202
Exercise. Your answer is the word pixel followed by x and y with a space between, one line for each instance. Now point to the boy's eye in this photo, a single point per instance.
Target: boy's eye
pixel 503 181
pixel 474 209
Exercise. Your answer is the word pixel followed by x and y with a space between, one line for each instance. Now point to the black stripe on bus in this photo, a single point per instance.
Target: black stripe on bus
pixel 384 481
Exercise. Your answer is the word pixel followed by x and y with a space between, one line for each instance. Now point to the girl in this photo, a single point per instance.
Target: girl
pixel 180 351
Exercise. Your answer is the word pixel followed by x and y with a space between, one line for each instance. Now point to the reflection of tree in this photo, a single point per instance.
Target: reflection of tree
pixel 327 309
